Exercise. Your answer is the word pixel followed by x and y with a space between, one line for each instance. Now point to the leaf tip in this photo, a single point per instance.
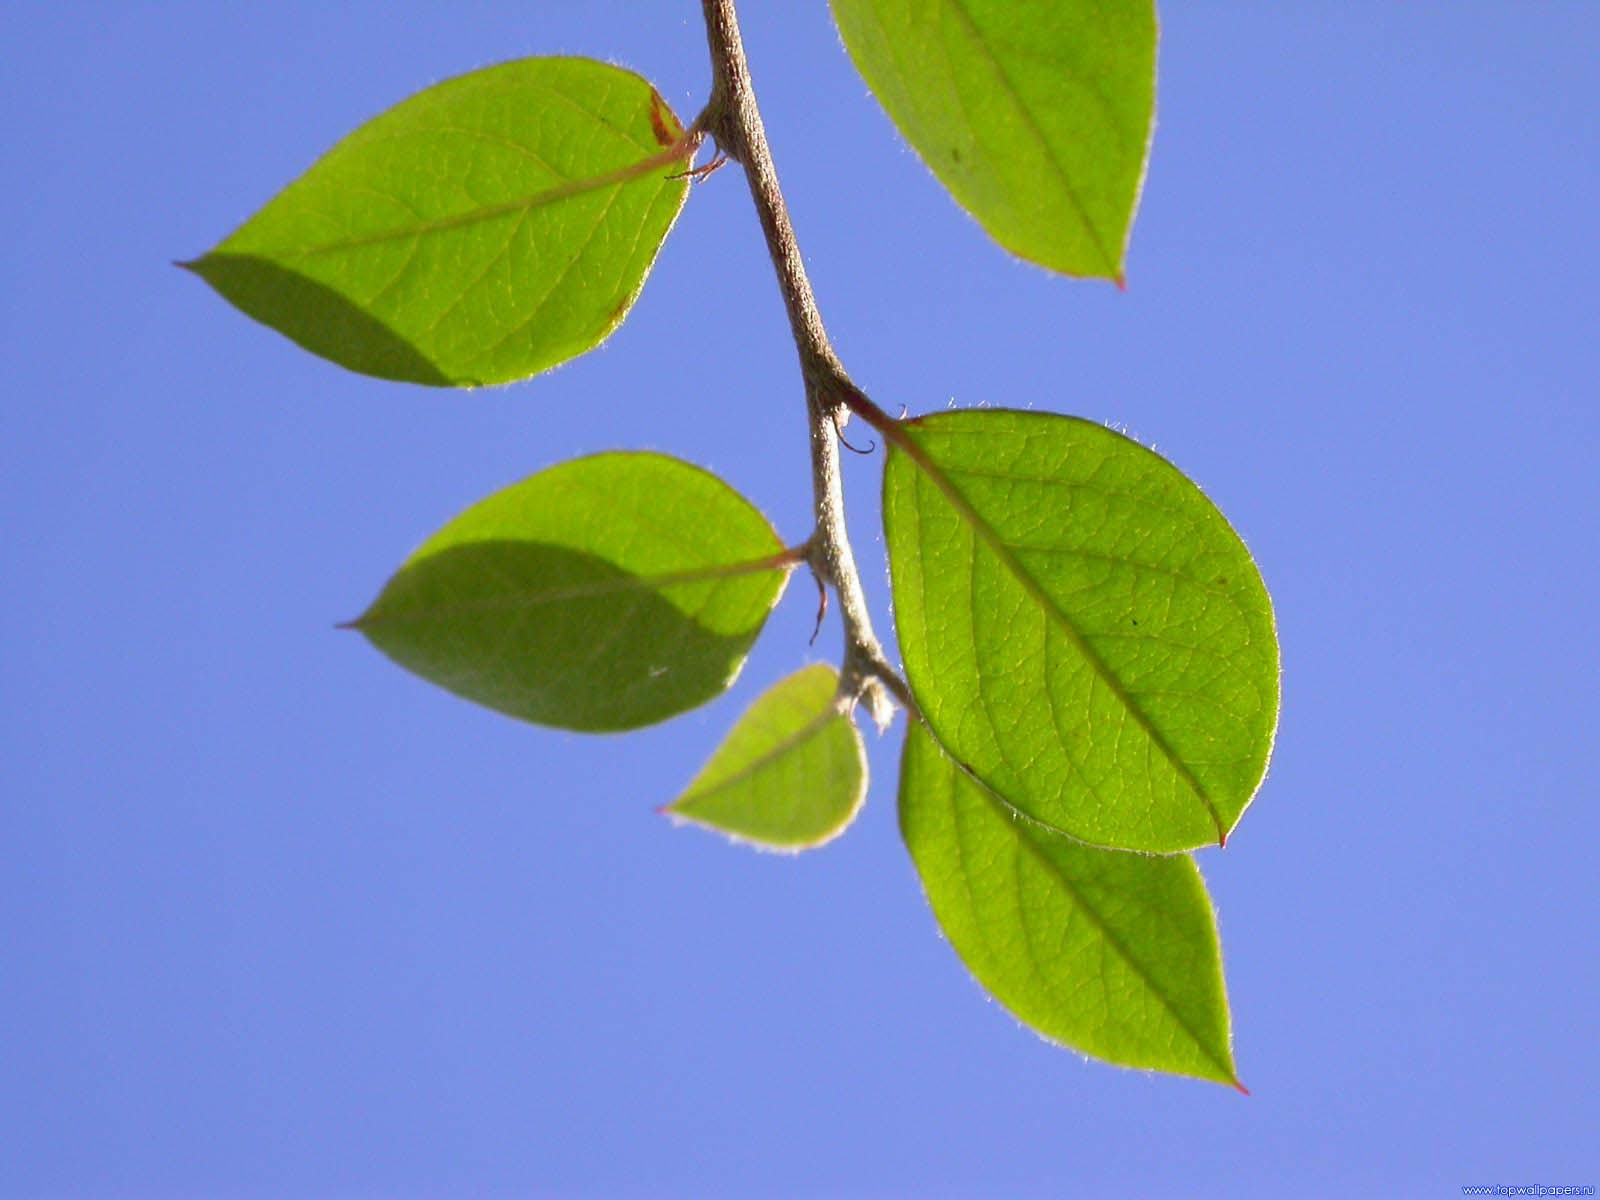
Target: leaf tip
pixel 1239 1087
pixel 679 819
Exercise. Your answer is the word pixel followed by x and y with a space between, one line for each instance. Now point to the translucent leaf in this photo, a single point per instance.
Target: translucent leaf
pixel 1035 114
pixel 1082 628
pixel 1110 953
pixel 605 593
pixel 484 230
pixel 790 775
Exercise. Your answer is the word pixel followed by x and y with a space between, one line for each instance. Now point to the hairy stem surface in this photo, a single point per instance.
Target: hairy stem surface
pixel 733 119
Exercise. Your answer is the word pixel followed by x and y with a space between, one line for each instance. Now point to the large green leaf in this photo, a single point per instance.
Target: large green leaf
pixel 605 593
pixel 490 227
pixel 1081 626
pixel 1114 954
pixel 790 775
pixel 1036 114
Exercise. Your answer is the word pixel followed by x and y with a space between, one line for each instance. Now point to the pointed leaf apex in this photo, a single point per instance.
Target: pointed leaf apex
pixel 995 880
pixel 988 93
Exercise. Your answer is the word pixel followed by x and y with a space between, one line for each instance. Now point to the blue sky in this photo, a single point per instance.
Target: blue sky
pixel 279 919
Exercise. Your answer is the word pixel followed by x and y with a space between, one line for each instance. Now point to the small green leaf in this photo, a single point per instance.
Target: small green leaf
pixel 1083 629
pixel 790 775
pixel 1036 114
pixel 482 231
pixel 602 594
pixel 1111 953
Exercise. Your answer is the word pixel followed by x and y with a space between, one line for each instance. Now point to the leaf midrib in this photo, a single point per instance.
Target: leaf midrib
pixel 761 762
pixel 1010 88
pixel 533 598
pixel 565 190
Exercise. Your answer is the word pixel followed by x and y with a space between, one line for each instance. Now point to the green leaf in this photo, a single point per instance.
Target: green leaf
pixel 1111 953
pixel 482 231
pixel 1036 114
pixel 790 775
pixel 602 594
pixel 1082 628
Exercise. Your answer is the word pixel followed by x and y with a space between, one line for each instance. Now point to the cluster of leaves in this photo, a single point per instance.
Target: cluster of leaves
pixel 1089 643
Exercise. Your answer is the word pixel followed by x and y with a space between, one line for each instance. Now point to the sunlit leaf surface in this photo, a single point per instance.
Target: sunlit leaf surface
pixel 1111 953
pixel 484 230
pixel 1081 626
pixel 790 775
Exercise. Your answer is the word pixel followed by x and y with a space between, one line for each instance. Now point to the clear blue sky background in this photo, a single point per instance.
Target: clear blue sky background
pixel 278 919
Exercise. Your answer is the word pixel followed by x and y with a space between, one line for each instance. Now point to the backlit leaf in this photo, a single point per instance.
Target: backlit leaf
pixel 790 775
pixel 1114 954
pixel 1082 628
pixel 484 230
pixel 605 593
pixel 1035 114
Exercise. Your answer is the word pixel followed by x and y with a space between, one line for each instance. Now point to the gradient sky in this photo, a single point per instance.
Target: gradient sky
pixel 278 919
